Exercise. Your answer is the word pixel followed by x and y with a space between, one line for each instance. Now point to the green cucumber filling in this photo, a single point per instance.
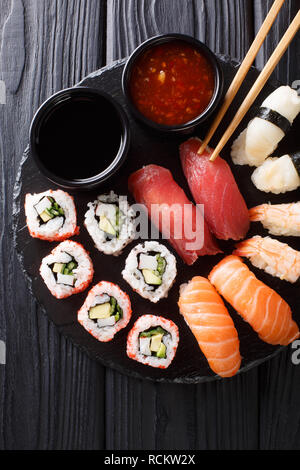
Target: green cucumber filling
pixel 152 266
pixel 47 209
pixel 106 313
pixel 63 272
pixel 109 217
pixel 151 342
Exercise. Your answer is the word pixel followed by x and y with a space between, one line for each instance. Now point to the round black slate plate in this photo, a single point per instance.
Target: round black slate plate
pixel 189 365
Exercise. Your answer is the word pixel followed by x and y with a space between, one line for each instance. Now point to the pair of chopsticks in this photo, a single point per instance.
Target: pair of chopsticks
pixel 259 83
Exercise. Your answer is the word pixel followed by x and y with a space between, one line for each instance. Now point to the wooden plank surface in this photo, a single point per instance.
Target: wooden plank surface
pixel 46 384
pixel 51 395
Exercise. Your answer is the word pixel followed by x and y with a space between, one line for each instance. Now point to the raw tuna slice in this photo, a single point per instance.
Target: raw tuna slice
pixel 164 199
pixel 213 185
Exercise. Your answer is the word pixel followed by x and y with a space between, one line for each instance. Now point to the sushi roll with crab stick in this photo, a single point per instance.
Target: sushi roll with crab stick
pixel 150 270
pixel 278 219
pixel 51 215
pixel 272 121
pixel 153 341
pixel 110 222
pixel 278 174
pixel 67 270
pixel 106 310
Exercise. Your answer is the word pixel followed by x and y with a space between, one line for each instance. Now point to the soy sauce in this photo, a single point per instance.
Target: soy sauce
pixel 80 137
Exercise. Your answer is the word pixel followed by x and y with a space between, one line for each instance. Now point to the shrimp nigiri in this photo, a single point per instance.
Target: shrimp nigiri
pixel 210 322
pixel 273 256
pixel 278 219
pixel 259 305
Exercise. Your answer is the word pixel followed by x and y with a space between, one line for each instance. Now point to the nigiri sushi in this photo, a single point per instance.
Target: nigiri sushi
pixel 278 219
pixel 265 131
pixel 273 256
pixel 208 318
pixel 276 175
pixel 180 221
pixel 213 185
pixel 259 305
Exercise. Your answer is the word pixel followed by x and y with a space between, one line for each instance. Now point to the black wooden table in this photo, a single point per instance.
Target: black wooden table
pixel 52 396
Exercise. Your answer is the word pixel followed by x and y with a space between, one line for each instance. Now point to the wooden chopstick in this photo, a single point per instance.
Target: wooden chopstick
pixel 259 83
pixel 243 70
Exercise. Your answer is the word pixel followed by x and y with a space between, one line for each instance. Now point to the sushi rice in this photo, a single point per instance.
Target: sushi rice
pixel 169 339
pixel 278 219
pixel 119 226
pixel 51 215
pixel 147 253
pixel 61 281
pixel 261 137
pixel 105 328
pixel 276 175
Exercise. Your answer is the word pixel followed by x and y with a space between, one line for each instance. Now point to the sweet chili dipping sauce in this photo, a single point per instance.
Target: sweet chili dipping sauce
pixel 172 83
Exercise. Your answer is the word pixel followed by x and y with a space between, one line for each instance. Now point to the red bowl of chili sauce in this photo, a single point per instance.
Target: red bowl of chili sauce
pixel 172 82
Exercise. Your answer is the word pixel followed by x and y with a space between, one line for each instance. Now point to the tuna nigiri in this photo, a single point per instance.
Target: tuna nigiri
pixel 278 219
pixel 175 216
pixel 273 256
pixel 259 305
pixel 213 184
pixel 212 326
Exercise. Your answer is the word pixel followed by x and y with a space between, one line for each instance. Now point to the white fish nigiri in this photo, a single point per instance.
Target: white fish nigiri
pixel 274 257
pixel 276 175
pixel 261 137
pixel 278 219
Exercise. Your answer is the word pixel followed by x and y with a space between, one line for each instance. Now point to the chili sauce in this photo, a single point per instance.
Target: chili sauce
pixel 172 83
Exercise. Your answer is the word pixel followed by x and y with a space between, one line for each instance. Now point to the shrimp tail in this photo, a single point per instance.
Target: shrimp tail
pixel 258 213
pixel 247 248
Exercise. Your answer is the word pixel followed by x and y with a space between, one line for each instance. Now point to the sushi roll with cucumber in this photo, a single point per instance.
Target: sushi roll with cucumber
pixel 106 310
pixel 51 215
pixel 153 341
pixel 110 222
pixel 150 270
pixel 67 270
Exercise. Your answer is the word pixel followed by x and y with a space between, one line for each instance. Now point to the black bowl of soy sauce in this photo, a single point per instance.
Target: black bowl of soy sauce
pixel 79 137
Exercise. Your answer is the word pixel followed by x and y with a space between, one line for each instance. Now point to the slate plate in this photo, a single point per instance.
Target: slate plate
pixel 189 365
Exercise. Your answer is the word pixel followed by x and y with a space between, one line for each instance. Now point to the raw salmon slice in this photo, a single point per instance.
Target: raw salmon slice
pixel 259 305
pixel 213 185
pixel 212 326
pixel 155 187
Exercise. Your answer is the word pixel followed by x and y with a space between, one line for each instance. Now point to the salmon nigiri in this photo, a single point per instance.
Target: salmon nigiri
pixel 259 305
pixel 212 326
